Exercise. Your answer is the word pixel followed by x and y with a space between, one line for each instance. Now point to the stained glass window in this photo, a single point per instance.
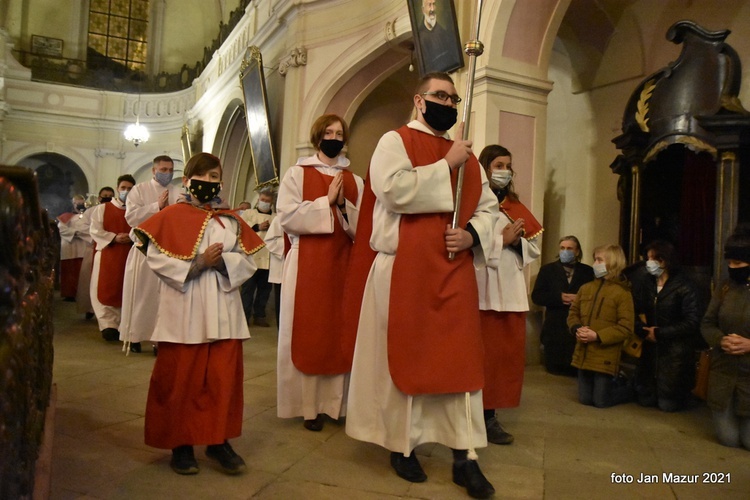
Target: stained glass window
pixel 118 32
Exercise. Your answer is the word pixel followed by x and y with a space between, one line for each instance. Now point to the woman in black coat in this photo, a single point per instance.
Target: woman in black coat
pixel 555 288
pixel 668 318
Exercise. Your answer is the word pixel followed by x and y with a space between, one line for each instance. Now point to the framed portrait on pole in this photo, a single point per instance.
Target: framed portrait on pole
pixel 256 112
pixel 436 39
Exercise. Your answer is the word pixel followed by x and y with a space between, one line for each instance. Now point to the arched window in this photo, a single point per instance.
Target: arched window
pixel 118 34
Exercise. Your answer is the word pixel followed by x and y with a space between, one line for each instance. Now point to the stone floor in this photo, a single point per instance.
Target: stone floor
pixel 562 449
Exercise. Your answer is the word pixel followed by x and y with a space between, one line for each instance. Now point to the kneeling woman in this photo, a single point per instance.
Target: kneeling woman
pixel 726 329
pixel 602 318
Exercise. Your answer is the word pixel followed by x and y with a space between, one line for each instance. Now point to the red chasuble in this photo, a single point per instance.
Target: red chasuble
pixel 113 259
pixel 323 260
pixel 177 231
pixel 514 209
pixel 434 339
pixel 64 218
pixel 360 262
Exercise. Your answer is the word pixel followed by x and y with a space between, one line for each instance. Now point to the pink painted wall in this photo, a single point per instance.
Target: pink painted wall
pixel 517 134
pixel 527 28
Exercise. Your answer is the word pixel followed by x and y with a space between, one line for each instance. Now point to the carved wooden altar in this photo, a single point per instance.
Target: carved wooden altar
pixel 684 163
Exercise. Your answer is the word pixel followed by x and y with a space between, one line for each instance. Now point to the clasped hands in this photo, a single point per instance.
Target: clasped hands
pixel 735 344
pixel 585 335
pixel 336 190
pixel 512 232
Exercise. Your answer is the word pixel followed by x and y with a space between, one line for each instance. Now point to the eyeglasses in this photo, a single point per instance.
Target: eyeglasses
pixel 444 96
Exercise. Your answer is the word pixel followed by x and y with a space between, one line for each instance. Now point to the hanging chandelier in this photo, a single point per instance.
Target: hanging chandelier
pixel 137 133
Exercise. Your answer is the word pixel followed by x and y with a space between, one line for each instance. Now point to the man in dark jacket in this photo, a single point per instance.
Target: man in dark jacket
pixel 555 288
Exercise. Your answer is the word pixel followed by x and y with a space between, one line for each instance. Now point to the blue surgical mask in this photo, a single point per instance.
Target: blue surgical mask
pixel 164 178
pixel 600 270
pixel 653 268
pixel 123 195
pixel 567 256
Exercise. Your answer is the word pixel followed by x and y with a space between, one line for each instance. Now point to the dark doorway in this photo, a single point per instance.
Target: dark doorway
pixel 59 178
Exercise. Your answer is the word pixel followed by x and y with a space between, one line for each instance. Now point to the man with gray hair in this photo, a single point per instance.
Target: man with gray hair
pixel 555 288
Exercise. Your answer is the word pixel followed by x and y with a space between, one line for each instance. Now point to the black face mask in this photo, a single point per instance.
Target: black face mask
pixel 106 199
pixel 440 117
pixel 331 147
pixel 204 191
pixel 80 207
pixel 739 274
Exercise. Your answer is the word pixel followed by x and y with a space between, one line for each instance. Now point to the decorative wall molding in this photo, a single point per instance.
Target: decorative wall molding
pixel 296 57
pixel 156 106
pixel 103 153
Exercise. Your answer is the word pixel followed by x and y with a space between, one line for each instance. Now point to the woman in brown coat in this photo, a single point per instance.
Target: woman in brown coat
pixel 602 319
pixel 726 328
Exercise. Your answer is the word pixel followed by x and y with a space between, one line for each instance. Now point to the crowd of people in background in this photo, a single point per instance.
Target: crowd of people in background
pixel 411 327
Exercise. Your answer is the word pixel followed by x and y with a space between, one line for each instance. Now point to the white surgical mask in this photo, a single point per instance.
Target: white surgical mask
pixel 600 269
pixel 653 268
pixel 123 195
pixel 501 178
pixel 264 206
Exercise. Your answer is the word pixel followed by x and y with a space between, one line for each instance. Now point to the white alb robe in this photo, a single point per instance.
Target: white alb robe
pixel 378 412
pixel 208 307
pixel 502 284
pixel 299 394
pixel 83 294
pixel 253 216
pixel 74 237
pixel 141 285
pixel 107 316
pixel 274 240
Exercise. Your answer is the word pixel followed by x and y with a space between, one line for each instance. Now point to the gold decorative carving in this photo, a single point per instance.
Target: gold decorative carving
pixel 252 54
pixel 691 142
pixel 729 156
pixel 733 103
pixel 641 115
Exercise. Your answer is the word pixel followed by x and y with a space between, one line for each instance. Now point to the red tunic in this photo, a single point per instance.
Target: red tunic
pixel 434 339
pixel 323 260
pixel 360 262
pixel 113 258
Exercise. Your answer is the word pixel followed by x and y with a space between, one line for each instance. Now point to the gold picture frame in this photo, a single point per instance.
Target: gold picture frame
pixel 187 145
pixel 256 112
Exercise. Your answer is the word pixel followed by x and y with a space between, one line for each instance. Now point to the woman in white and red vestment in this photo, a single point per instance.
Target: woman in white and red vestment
pixel 318 208
pixel 503 296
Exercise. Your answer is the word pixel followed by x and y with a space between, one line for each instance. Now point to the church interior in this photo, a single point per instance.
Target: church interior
pixel 626 121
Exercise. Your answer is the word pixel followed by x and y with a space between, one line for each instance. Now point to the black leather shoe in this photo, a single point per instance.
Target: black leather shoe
pixel 315 424
pixel 408 467
pixel 135 347
pixel 466 473
pixel 110 335
pixel 496 434
pixel 183 460
pixel 230 461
